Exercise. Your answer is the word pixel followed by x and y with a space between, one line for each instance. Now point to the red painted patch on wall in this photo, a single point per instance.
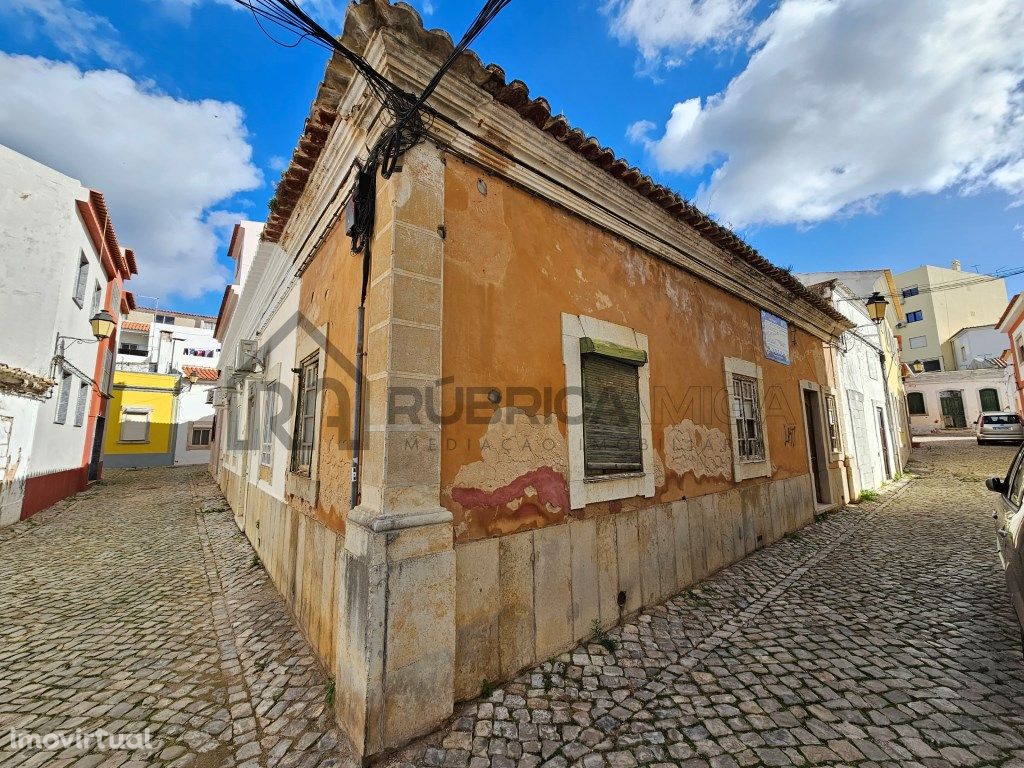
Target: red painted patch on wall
pixel 46 490
pixel 551 488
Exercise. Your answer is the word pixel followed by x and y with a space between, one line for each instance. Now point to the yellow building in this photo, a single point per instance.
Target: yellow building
pixel 938 302
pixel 142 414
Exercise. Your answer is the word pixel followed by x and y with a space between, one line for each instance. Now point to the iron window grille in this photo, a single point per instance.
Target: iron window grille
pixel 747 415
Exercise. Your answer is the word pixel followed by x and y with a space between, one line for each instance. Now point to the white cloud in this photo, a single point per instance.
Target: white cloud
pixel 657 26
pixel 640 131
pixel 75 32
pixel 845 101
pixel 163 164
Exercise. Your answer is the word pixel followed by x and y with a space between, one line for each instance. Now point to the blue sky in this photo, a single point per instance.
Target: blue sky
pixel 779 117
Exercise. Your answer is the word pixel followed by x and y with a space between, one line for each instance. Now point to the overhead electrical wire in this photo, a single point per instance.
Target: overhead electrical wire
pixel 409 125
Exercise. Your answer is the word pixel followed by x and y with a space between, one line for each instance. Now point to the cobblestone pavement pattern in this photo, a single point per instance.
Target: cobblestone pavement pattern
pixel 138 605
pixel 880 636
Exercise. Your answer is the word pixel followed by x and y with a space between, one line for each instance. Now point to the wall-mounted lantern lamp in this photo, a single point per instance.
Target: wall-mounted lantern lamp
pixel 917 366
pixel 877 305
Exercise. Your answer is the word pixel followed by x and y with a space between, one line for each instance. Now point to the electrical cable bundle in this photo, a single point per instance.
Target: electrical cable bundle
pixel 406 110
pixel 408 126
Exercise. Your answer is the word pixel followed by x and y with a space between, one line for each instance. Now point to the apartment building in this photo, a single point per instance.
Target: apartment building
pixel 938 302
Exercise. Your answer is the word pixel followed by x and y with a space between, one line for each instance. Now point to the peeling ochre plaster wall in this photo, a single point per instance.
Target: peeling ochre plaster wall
pixel 513 264
pixel 519 480
pixel 329 297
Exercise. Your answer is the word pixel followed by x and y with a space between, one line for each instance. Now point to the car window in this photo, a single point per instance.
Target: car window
pixel 1015 480
pixel 1008 418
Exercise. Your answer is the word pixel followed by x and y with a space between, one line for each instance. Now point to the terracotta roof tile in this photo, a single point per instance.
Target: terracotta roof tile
pixel 366 16
pixel 204 374
pixel 134 325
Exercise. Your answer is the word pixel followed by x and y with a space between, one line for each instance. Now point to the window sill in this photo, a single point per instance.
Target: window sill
pixel 79 302
pixel 302 487
pixel 617 476
pixel 746 470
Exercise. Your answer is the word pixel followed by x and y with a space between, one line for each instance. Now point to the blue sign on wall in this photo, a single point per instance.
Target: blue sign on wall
pixel 775 331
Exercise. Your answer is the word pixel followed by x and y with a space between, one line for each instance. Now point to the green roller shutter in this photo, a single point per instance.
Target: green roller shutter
pixel 611 415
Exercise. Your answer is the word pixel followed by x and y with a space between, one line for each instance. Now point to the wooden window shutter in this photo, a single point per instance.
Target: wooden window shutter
pixel 612 441
pixel 62 398
pixel 82 279
pixel 83 402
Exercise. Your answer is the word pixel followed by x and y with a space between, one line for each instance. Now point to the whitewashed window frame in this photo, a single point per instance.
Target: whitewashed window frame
pixel 585 490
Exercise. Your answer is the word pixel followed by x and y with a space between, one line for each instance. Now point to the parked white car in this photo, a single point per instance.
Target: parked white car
pixel 1009 517
pixel 999 427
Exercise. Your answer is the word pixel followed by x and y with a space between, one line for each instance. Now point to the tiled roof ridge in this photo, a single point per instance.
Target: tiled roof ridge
pixel 366 16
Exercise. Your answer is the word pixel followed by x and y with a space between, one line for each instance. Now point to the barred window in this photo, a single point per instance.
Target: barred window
pixel 832 414
pixel 747 414
pixel 305 416
pixel 915 404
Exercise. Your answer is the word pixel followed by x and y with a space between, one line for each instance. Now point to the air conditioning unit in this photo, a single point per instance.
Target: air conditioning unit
pixel 246 359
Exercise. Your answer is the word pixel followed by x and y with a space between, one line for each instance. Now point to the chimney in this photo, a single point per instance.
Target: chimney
pixel 956 264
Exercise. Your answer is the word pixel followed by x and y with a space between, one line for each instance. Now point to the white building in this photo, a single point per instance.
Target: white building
pixel 256 400
pixel 954 399
pixel 60 265
pixel 245 239
pixel 976 347
pixel 866 408
pixel 165 341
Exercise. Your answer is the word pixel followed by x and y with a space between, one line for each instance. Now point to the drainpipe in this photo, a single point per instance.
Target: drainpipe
pixel 357 404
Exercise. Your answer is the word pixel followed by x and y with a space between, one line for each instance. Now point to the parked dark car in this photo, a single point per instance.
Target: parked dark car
pixel 1009 517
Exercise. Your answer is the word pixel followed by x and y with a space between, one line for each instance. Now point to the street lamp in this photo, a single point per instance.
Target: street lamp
pixel 877 305
pixel 102 325
pixel 917 366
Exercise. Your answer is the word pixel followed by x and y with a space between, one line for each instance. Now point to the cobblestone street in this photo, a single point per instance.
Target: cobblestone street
pixel 128 608
pixel 881 635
